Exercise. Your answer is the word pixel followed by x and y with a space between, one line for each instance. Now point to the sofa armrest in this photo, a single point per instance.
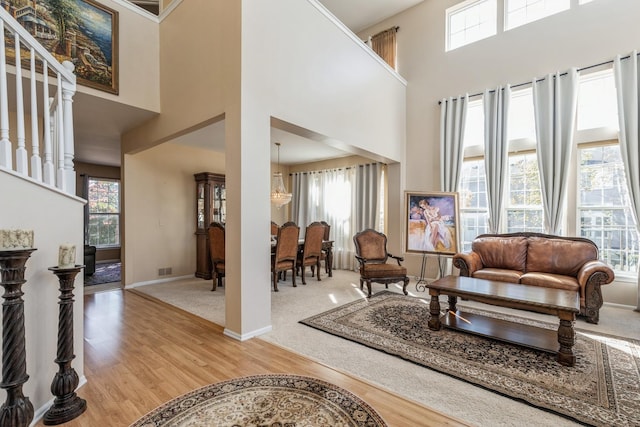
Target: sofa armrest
pixel 595 270
pixel 467 262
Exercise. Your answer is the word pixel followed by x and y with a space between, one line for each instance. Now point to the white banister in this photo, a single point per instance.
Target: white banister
pixel 59 137
pixel 55 168
pixel 21 151
pixel 36 161
pixel 48 168
pixel 6 152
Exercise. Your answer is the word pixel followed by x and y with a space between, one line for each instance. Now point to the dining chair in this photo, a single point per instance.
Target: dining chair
pixel 325 238
pixel 311 252
pixel 216 247
pixel 285 253
pixel 371 253
pixel 274 228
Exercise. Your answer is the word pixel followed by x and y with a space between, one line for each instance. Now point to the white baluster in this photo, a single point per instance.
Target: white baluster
pixel 6 158
pixel 22 156
pixel 66 107
pixel 36 161
pixel 49 169
pixel 60 177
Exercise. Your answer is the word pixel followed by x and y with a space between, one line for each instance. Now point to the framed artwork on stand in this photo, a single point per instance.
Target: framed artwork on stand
pixel 431 227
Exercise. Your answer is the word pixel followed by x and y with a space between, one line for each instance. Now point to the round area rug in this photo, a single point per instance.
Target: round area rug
pixel 272 400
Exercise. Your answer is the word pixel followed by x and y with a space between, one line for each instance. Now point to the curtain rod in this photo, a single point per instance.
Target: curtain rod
pixel 588 67
pixel 339 169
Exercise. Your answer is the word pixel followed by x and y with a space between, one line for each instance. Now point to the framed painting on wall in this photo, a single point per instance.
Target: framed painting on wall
pixel 432 222
pixel 83 32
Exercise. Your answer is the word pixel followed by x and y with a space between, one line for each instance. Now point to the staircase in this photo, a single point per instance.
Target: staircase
pixel 41 91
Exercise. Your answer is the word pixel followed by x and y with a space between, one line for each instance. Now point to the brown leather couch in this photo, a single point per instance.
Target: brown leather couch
pixel 536 259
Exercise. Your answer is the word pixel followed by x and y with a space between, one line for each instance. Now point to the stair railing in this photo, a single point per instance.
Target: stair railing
pixel 55 166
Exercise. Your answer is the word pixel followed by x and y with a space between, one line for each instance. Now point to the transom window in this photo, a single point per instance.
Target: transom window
pixel 103 229
pixel 470 21
pixel 520 12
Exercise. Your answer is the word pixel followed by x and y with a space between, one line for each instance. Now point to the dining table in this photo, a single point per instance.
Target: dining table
pixel 327 247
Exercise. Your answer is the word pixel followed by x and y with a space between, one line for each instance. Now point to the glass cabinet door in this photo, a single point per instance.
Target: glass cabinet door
pixel 201 214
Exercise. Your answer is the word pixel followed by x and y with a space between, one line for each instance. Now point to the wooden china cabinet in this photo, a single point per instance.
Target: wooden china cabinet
pixel 210 206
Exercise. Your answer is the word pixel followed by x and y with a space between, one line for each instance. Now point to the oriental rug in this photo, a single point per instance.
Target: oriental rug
pixel 108 272
pixel 603 388
pixel 271 400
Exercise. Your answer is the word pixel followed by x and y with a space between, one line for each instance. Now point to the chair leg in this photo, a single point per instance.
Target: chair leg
pixel 304 281
pixel 318 270
pixel 213 288
pixel 404 288
pixel 275 281
pixel 293 277
pixel 220 280
pixel 369 288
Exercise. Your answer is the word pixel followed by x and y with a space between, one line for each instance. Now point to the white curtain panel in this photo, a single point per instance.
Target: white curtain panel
pixel 347 199
pixel 300 205
pixel 453 112
pixel 496 111
pixel 555 100
pixel 628 85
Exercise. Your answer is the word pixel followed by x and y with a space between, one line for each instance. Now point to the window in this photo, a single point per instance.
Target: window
pixel 597 102
pixel 104 213
pixel 473 202
pixel 524 202
pixel 520 12
pixel 470 21
pixel 603 207
pixel 599 209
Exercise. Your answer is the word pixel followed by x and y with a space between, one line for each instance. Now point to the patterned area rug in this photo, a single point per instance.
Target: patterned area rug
pixel 278 400
pixel 105 273
pixel 603 388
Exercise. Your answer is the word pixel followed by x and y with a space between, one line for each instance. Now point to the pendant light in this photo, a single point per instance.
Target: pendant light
pixel 279 195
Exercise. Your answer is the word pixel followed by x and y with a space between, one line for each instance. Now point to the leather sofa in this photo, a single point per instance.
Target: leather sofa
pixel 537 259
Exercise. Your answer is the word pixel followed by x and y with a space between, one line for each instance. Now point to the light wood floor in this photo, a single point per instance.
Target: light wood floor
pixel 140 353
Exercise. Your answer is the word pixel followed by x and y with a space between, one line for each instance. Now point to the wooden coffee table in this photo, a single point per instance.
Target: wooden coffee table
pixel 561 303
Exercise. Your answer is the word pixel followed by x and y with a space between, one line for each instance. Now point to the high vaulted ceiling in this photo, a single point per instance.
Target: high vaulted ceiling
pixel 99 123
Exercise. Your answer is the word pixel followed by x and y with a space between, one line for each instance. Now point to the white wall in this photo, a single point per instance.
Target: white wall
pixel 55 218
pixel 585 35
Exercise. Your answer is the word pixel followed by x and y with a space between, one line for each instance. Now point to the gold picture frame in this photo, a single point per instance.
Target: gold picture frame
pixel 431 222
pixel 89 39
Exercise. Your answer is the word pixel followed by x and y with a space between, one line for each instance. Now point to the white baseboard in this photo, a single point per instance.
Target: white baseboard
pixel 244 337
pixel 156 281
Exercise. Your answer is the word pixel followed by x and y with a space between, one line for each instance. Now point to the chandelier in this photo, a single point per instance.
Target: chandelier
pixel 279 195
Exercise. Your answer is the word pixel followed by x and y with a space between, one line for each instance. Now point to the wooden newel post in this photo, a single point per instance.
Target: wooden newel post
pixel 17 410
pixel 67 404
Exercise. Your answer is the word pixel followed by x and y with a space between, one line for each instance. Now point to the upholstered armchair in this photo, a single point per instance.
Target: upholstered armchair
pixel 216 245
pixel 371 253
pixel 286 252
pixel 311 252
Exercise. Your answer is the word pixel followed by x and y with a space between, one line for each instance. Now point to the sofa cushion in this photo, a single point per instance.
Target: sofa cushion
pixel 548 280
pixel 507 253
pixel 498 274
pixel 559 256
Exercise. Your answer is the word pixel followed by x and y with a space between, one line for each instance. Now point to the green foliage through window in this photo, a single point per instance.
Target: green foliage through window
pixel 104 212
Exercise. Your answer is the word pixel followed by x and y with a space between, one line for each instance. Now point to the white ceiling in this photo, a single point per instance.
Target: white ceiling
pixel 99 123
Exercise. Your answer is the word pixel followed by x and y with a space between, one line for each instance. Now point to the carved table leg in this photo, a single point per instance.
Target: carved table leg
pixel 434 310
pixel 453 300
pixel 67 405
pixel 566 338
pixel 17 411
